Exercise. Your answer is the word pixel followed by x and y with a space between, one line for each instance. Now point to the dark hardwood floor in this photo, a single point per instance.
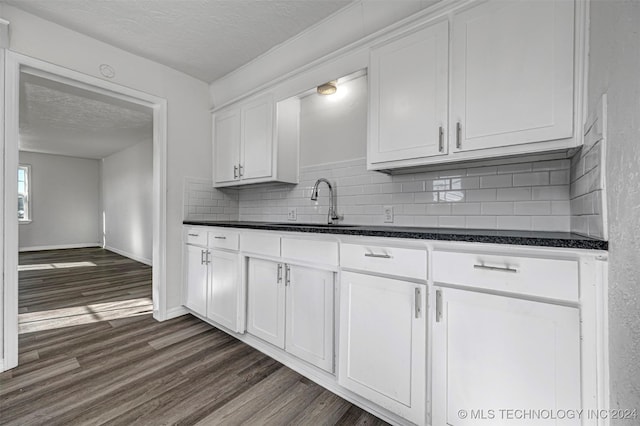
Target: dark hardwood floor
pixel 91 354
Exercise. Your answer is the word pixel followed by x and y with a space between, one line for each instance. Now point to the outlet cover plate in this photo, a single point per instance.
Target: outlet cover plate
pixel 387 211
pixel 292 214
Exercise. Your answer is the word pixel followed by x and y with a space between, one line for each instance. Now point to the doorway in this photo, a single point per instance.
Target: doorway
pixel 20 68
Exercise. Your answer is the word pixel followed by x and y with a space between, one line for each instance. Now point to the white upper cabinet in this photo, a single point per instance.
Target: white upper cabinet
pixel 226 155
pixel 499 78
pixel 408 97
pixel 257 137
pixel 256 142
pixel 512 73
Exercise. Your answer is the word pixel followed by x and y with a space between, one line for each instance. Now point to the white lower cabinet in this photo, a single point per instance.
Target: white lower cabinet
pixel 382 352
pixel 291 307
pixel 265 301
pixel 195 297
pixel 222 301
pixel 212 277
pixel 493 353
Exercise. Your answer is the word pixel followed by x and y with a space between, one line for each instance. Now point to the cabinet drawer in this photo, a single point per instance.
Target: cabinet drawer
pixel 401 262
pixel 260 243
pixel 324 252
pixel 551 278
pixel 196 236
pixel 224 239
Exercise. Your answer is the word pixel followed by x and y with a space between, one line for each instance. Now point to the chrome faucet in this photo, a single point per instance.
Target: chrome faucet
pixel 332 214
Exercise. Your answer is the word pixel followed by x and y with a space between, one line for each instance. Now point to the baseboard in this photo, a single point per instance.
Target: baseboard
pixel 59 247
pixel 1 365
pixel 175 312
pixel 129 255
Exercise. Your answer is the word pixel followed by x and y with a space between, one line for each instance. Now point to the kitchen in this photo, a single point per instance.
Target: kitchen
pixel 537 183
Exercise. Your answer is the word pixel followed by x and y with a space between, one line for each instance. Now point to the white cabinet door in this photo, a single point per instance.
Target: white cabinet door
pixel 195 297
pixel 266 301
pixel 222 306
pixel 383 342
pixel 493 352
pixel 409 96
pixel 257 139
pixel 512 73
pixel 226 143
pixel 309 333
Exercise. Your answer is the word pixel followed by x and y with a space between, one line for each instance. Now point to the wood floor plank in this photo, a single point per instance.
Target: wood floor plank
pixel 125 368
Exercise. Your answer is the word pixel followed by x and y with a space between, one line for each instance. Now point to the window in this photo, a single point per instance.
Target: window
pixel 24 175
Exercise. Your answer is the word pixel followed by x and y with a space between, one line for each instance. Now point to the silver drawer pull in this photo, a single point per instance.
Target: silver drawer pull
pixel 220 238
pixel 379 256
pixel 194 235
pixel 495 268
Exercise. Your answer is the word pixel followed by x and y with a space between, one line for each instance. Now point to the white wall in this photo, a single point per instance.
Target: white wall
pixel 189 121
pixel 127 202
pixel 65 202
pixel 615 69
pixel 334 128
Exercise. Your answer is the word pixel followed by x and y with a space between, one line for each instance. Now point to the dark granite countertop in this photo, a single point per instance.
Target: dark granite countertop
pixel 525 238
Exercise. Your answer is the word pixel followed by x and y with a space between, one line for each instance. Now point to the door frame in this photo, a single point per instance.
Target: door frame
pixel 16 63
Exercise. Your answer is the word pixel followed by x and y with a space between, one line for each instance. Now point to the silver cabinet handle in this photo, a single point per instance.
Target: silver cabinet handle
pixel 207 261
pixel 379 256
pixel 202 257
pixel 440 139
pixel 496 268
pixel 193 235
pixel 241 170
pixel 235 172
pixel 438 305
pixel 418 302
pixel 287 274
pixel 458 135
pixel 279 272
pixel 217 237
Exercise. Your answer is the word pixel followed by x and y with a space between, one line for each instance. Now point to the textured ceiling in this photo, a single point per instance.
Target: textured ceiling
pixel 56 118
pixel 203 38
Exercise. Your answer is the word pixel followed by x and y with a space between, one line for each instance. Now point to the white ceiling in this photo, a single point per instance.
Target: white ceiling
pixel 57 118
pixel 203 38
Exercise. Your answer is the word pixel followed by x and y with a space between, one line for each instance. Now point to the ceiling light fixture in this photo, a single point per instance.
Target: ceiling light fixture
pixel 328 88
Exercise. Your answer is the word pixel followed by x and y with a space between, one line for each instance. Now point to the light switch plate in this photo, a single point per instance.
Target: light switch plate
pixel 387 211
pixel 292 214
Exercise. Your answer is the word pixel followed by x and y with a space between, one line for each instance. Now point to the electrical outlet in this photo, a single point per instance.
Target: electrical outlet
pixel 388 214
pixel 293 213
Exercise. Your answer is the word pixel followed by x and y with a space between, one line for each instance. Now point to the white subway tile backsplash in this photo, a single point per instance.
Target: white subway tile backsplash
pixel 439 209
pixel 496 181
pixel 559 177
pixel 551 223
pixel 452 221
pixel 482 222
pixel 514 222
pixel 558 192
pixel 482 195
pixel 514 194
pixel 531 179
pixel 551 165
pixel 479 171
pixel 426 197
pixel 412 186
pixel 561 208
pixel 531 208
pixel 515 168
pixel 466 209
pixel 491 197
pixel 498 208
pixel 426 221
